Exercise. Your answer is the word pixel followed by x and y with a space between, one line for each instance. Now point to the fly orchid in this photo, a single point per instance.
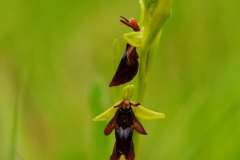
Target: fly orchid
pixel 128 66
pixel 124 121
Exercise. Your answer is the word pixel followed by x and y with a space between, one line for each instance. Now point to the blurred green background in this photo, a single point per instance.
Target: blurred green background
pixel 56 63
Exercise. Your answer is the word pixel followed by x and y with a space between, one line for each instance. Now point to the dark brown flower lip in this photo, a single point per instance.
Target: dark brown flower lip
pixel 127 68
pixel 130 23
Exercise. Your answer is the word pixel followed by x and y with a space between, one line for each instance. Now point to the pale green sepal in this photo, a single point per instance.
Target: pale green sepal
pixel 107 114
pixel 127 92
pixel 133 38
pixel 146 114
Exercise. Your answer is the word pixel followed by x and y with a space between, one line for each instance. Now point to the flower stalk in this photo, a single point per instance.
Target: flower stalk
pixel 146 35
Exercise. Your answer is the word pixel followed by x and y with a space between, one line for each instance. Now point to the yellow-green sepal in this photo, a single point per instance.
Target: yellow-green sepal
pixel 107 114
pixel 127 92
pixel 146 114
pixel 133 38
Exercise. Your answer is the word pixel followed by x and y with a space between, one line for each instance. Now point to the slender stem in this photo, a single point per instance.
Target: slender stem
pixel 140 95
pixel 141 75
pixel 136 141
pixel 141 78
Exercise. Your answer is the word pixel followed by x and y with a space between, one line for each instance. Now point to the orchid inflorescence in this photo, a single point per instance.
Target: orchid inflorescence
pixel 124 113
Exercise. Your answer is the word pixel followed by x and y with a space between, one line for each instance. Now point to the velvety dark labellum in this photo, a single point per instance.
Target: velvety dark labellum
pixel 127 68
pixel 124 122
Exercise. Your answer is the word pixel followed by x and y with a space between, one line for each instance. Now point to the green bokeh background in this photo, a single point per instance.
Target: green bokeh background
pixel 56 63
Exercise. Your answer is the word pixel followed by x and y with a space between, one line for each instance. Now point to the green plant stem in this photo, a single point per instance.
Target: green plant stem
pixel 142 81
pixel 140 96
pixel 136 141
pixel 146 60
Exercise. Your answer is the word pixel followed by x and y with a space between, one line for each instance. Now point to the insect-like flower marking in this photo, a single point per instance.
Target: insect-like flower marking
pixel 128 66
pixel 124 121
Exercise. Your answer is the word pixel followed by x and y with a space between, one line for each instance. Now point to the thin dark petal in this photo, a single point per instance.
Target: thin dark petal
pixel 135 105
pixel 129 24
pixel 128 67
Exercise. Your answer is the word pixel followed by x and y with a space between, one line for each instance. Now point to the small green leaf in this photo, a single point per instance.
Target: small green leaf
pixel 146 114
pixel 133 38
pixel 107 114
pixel 127 92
